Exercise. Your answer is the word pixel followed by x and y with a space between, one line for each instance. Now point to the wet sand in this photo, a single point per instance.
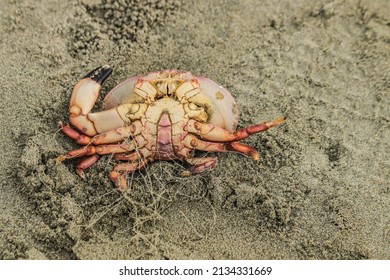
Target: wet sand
pixel 320 190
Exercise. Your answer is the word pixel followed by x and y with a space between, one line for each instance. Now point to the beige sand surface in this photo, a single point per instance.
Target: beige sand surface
pixel 321 189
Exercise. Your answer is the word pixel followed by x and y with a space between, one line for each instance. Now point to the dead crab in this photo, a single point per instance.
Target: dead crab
pixel 160 116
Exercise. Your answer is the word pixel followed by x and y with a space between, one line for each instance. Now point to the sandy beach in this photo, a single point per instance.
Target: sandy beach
pixel 320 189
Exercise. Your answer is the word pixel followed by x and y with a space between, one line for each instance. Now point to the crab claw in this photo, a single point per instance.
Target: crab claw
pixel 84 96
pixel 99 74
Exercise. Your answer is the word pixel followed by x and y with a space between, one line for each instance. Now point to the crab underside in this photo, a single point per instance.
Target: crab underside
pixel 163 115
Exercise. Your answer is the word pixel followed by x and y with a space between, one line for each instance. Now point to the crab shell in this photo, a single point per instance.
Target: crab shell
pixel 219 103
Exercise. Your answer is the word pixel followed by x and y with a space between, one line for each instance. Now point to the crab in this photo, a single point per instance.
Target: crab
pixel 164 115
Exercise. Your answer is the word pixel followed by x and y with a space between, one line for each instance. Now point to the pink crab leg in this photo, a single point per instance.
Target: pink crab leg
pixel 109 137
pixel 190 141
pixel 112 136
pixel 73 134
pixel 86 163
pixel 100 150
pixel 243 149
pixel 84 96
pixel 84 151
pixel 114 148
pixel 215 133
pixel 200 165
pixel 132 156
pixel 118 175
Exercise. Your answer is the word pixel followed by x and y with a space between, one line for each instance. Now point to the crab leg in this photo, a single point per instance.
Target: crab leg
pixel 200 165
pixel 243 149
pixel 215 133
pixel 109 137
pixel 112 136
pixel 89 161
pixel 86 163
pixel 100 150
pixel 132 156
pixel 73 134
pixel 118 175
pixel 190 141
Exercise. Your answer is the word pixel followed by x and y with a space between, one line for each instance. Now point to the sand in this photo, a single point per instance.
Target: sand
pixel 321 189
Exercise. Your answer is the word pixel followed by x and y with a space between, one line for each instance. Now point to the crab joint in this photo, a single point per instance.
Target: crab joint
pixel 74 111
pixel 194 142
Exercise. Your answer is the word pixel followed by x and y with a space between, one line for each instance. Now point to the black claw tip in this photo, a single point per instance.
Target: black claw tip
pixel 99 74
